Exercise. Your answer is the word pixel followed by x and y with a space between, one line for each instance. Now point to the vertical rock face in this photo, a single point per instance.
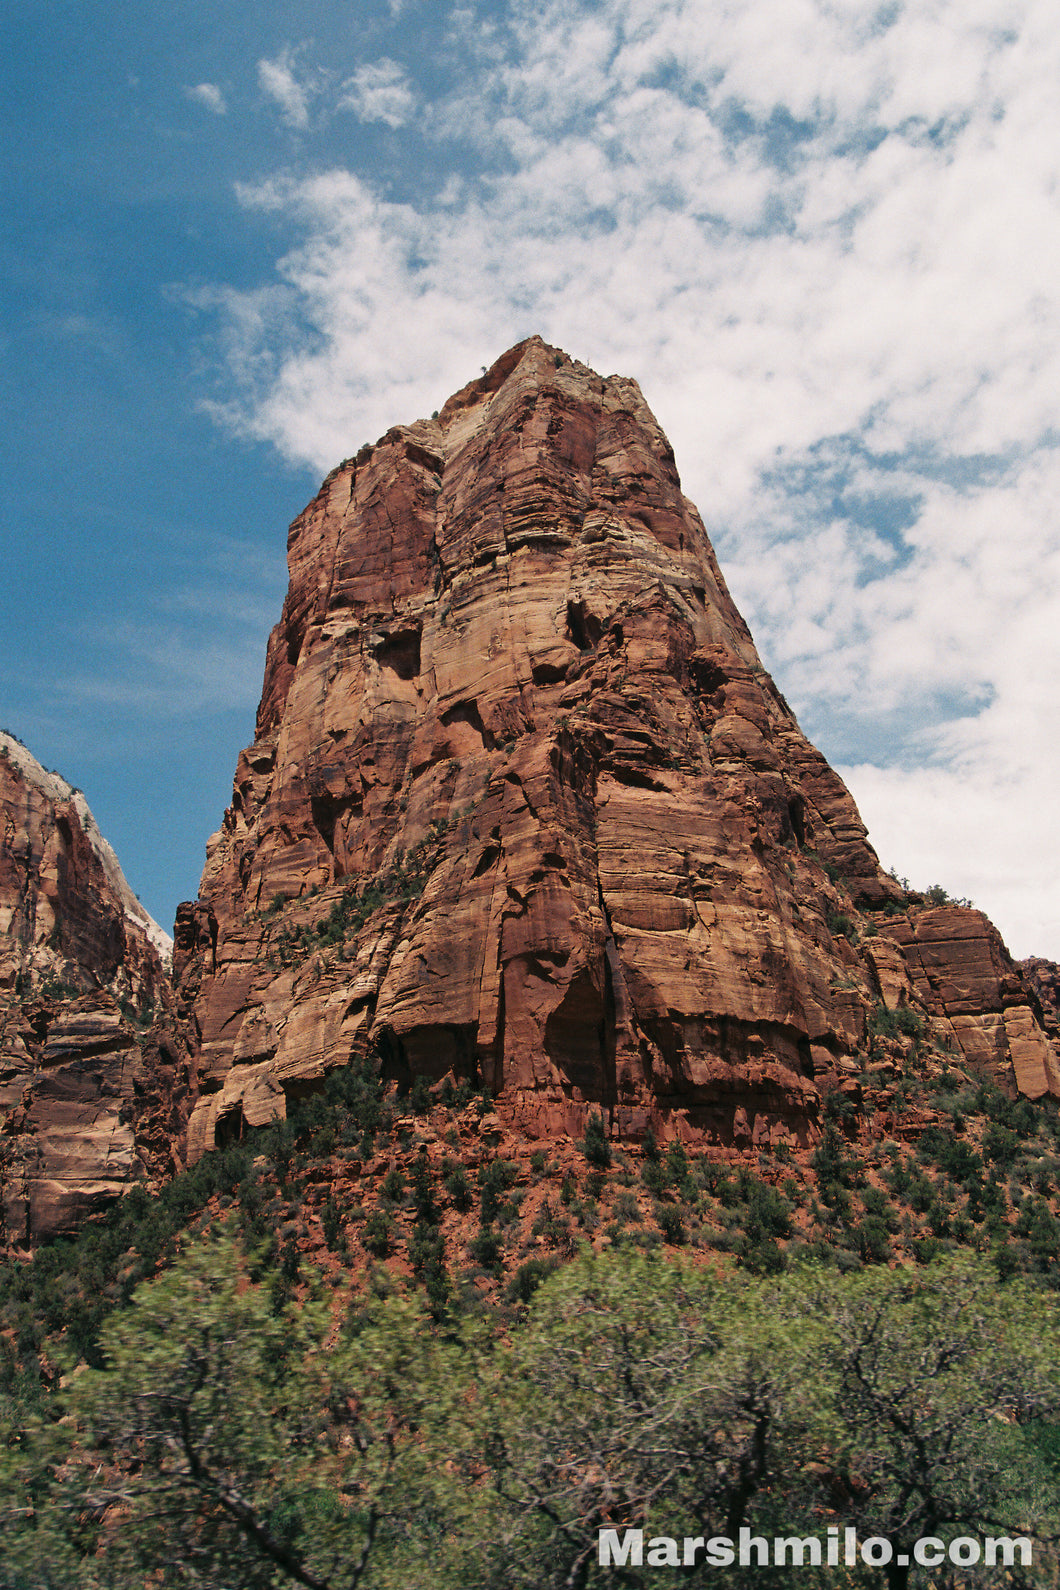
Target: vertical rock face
pixel 67 914
pixel 76 949
pixel 523 805
pixel 1043 979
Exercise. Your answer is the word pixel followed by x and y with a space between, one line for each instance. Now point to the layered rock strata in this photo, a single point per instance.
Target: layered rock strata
pixel 80 961
pixel 88 1105
pixel 981 1001
pixel 1042 978
pixel 523 805
pixel 67 914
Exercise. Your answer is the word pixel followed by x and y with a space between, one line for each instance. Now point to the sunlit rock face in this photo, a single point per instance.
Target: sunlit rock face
pixel 523 805
pixel 994 1012
pixel 81 975
pixel 90 1103
pixel 67 914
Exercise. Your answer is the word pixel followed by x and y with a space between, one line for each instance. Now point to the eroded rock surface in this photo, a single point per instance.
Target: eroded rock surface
pixel 88 1105
pixel 1042 977
pixel 67 915
pixel 81 972
pixel 965 978
pixel 523 805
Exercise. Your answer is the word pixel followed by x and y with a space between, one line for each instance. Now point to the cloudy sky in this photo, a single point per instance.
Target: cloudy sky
pixel 824 235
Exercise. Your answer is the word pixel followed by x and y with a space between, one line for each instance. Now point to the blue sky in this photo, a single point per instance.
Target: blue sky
pixel 823 235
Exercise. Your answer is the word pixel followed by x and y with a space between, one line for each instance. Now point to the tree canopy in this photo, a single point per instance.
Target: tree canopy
pixel 228 1440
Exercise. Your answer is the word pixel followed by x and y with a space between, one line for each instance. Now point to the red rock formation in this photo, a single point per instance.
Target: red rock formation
pixel 965 978
pixel 1042 978
pixel 507 655
pixel 67 1142
pixel 67 914
pixel 74 1073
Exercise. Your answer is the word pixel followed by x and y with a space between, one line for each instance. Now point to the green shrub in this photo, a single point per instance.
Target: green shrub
pixel 438 1288
pixel 378 1233
pixel 768 1213
pixel 653 1175
pixel 921 1194
pixel 904 1022
pixel 455 1097
pixel 647 1237
pixel 495 1179
pixel 837 1171
pixel 670 1224
pixel 458 1187
pixel 1000 1145
pixel 423 1200
pixel 957 1158
pixel 938 1218
pixel 763 1256
pixel 528 1277
pixel 1006 1258
pixel 420 1096
pixel 426 1248
pixel 678 1171
pixel 331 1220
pixel 555 1228
pixel 870 1240
pixel 877 1205
pixel 595 1146
pixel 290 1259
pixel 487 1248
pixel 1040 1226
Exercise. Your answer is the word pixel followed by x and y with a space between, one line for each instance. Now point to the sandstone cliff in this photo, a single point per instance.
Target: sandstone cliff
pixel 523 806
pixel 81 974
pixel 67 915
pixel 90 1102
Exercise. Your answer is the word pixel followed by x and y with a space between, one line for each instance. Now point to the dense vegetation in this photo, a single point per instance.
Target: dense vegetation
pixel 224 1442
pixel 326 1356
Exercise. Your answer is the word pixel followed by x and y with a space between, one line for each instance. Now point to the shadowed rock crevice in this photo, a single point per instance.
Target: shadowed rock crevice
pixel 399 650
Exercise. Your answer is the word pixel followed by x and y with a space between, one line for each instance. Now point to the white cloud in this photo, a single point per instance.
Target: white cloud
pixel 277 78
pixel 379 91
pixel 823 239
pixel 966 829
pixel 210 95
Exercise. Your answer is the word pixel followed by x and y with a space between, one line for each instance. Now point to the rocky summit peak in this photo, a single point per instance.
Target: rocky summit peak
pixel 525 810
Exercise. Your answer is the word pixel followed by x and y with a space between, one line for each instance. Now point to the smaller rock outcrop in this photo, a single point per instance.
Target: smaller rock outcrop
pixel 1042 978
pixel 90 1100
pixel 67 915
pixel 67 1143
pixel 966 979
